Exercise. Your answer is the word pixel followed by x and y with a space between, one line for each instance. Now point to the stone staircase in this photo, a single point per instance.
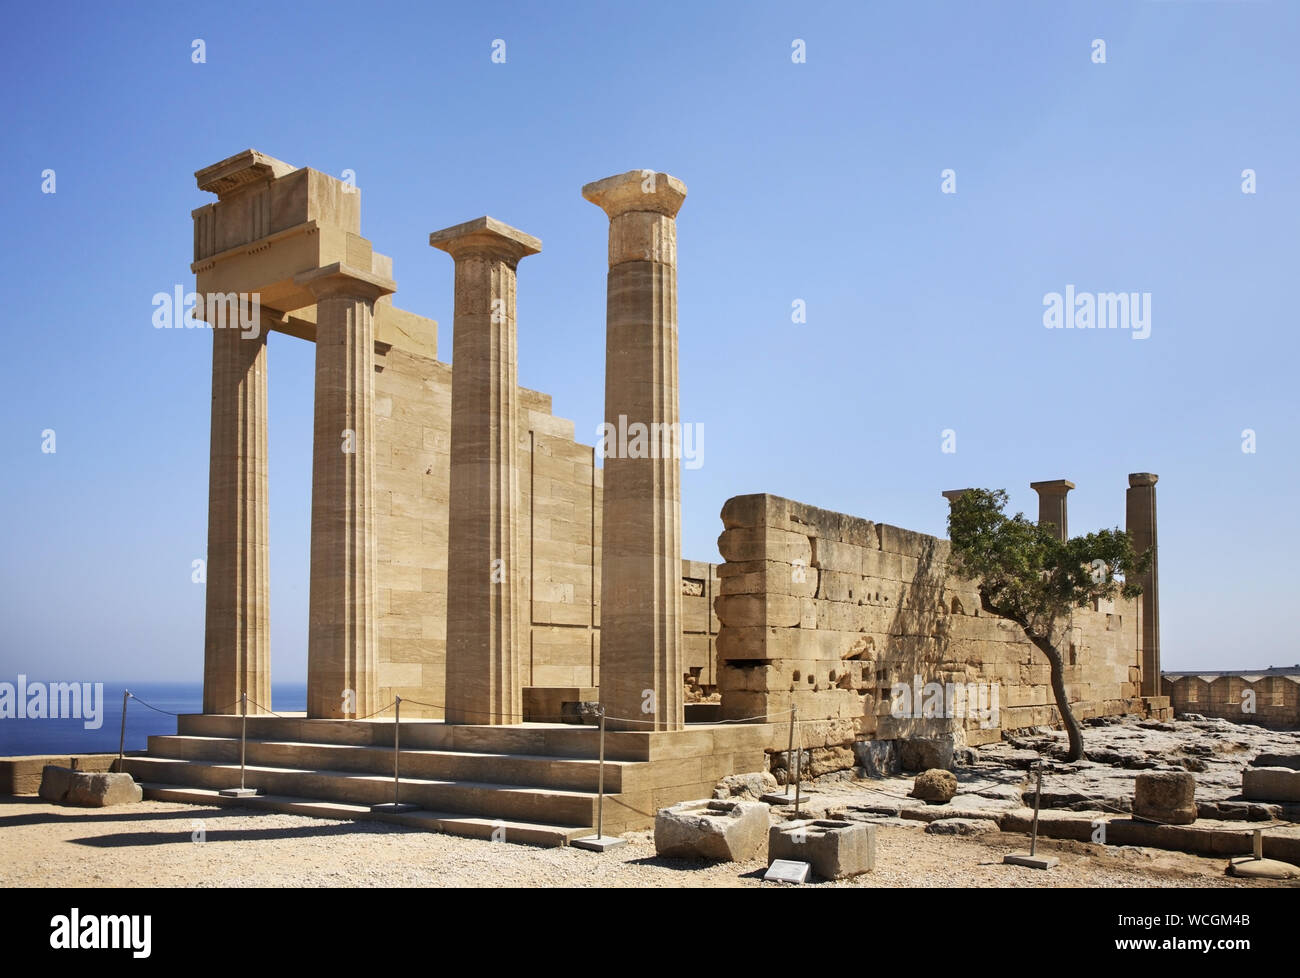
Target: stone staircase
pixel 532 783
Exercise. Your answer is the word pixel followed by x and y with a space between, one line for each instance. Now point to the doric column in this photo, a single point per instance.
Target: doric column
pixel 237 636
pixel 341 648
pixel 1140 521
pixel 484 572
pixel 641 544
pixel 1051 504
pixel 952 495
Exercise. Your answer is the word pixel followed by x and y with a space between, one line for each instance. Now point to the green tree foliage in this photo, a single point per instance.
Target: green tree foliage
pixel 1025 574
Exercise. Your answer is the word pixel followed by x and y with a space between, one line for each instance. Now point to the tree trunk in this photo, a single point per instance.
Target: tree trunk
pixel 1058 689
pixel 1057 664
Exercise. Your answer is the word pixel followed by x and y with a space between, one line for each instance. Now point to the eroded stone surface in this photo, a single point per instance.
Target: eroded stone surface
pixel 88 789
pixel 835 848
pixel 935 785
pixel 715 830
pixel 1271 783
pixel 1166 796
pixel 962 826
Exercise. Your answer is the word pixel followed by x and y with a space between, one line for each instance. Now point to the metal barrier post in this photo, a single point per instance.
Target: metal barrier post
pixel 789 754
pixel 1031 858
pixel 600 779
pixel 397 746
pixel 798 759
pixel 1038 798
pixel 600 842
pixel 241 791
pixel 396 806
pixel 121 740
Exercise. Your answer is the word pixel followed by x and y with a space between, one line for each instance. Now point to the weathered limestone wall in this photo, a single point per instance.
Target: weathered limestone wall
pixel 825 612
pixel 699 624
pixel 1274 701
pixel 559 537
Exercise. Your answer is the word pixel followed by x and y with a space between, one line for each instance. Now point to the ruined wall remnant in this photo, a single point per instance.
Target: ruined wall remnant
pixel 825 613
pixel 1270 698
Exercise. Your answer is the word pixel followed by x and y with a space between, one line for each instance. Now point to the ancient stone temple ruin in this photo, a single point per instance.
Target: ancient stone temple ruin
pixel 471 557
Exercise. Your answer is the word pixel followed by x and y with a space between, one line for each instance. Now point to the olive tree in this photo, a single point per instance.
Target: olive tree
pixel 1024 573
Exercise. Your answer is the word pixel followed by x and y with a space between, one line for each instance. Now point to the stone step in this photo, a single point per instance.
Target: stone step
pixel 484 799
pixel 530 770
pixel 451 823
pixel 538 739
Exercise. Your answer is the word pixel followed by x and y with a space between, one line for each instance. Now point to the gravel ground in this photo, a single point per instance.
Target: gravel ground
pixel 152 844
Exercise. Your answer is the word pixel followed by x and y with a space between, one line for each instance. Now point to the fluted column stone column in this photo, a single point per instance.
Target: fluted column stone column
pixel 641 568
pixel 341 643
pixel 484 574
pixel 237 637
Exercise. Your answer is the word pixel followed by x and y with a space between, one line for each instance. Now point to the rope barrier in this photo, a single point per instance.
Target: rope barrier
pixel 267 709
pixel 376 713
pixel 150 706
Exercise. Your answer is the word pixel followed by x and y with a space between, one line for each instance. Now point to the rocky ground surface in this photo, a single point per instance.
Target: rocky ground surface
pixel 154 844
pixel 1001 776
pixel 1117 751
pixel 955 844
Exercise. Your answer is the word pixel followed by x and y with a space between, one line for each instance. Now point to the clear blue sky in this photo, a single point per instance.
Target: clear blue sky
pixel 816 181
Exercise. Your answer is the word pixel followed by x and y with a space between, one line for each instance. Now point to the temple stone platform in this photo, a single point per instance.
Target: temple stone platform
pixel 532 783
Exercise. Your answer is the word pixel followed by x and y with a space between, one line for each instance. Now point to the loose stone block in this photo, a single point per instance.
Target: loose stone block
pixel 725 831
pixel 1166 796
pixel 1277 760
pixel 1248 867
pixel 750 787
pixel 90 789
pixel 836 849
pixel 935 786
pixel 1270 783
pixel 103 790
pixel 56 782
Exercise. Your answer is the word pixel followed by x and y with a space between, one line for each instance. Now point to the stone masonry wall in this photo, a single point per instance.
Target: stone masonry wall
pixel 1274 703
pixel 560 497
pixel 825 612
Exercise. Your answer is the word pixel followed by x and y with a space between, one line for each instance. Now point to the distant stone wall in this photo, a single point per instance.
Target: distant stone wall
pixel 559 539
pixel 1269 701
pixel 826 612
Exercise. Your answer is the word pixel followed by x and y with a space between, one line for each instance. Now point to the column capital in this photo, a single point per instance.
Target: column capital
pixel 637 190
pixel 485 236
pixel 1136 479
pixel 1053 487
pixel 952 495
pixel 342 279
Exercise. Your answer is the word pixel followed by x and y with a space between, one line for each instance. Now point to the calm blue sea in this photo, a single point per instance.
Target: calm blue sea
pixel 27 736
